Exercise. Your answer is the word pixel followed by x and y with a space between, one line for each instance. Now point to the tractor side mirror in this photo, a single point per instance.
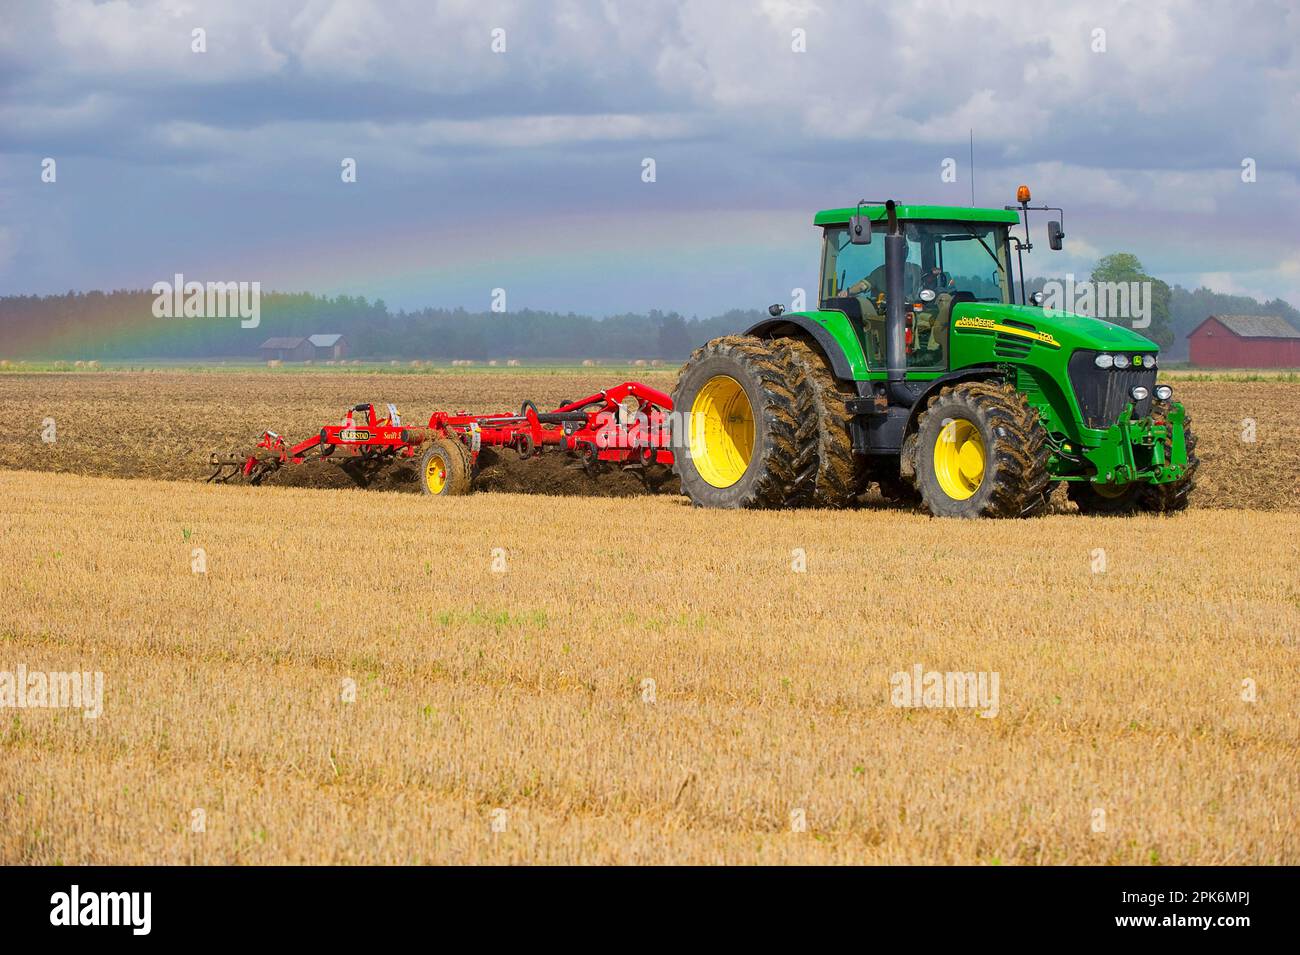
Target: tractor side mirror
pixel 776 310
pixel 860 230
pixel 1055 235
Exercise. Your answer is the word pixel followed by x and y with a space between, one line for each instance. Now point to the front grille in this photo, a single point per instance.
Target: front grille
pixel 1103 392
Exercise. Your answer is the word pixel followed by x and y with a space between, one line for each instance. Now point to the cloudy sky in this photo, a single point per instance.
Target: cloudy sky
pixel 523 169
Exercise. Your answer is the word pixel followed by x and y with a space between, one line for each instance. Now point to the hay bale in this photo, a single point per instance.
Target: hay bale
pixel 513 363
pixel 492 363
pixel 274 363
pixel 94 365
pixel 656 363
pixel 394 363
pixel 588 363
pixel 640 363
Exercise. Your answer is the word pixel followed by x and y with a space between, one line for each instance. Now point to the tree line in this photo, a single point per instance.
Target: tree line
pixel 120 325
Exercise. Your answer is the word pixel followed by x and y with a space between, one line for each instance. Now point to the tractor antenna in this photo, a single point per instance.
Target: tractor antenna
pixel 972 166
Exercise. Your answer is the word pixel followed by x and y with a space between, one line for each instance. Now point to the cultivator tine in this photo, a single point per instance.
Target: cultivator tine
pixel 231 468
pixel 225 468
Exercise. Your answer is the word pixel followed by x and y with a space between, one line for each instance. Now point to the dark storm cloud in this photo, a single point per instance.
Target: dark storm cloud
pixel 1156 122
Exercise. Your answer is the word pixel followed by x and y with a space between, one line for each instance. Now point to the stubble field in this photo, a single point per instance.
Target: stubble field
pixel 374 677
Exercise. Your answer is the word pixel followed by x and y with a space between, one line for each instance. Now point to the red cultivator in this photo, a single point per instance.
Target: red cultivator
pixel 627 425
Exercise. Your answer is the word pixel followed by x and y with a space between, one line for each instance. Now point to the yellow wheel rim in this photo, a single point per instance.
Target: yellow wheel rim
pixel 722 431
pixel 959 459
pixel 435 475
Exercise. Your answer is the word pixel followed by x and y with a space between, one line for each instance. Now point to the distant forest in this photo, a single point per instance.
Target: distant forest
pixel 120 325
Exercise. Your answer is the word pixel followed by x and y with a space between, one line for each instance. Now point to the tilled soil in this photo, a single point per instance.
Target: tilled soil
pixel 164 425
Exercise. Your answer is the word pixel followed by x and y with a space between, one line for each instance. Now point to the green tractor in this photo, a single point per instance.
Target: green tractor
pixel 920 373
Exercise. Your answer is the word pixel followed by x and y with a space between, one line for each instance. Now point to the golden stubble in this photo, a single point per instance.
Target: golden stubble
pixel 524 689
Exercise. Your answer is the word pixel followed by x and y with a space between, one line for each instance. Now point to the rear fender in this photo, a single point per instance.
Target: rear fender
pixel 831 330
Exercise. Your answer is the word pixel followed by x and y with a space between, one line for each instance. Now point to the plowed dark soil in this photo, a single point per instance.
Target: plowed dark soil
pixel 164 424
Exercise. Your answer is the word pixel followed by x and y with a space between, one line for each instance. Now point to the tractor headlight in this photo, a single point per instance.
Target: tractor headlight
pixel 1103 360
pixel 1148 361
pixel 1164 392
pixel 1139 393
pixel 1121 361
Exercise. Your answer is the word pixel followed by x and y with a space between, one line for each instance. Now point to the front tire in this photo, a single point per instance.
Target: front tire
pixel 981 452
pixel 748 439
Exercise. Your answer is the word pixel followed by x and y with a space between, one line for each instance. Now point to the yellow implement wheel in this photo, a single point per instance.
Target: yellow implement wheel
pixel 445 468
pixel 722 431
pixel 959 459
pixel 435 475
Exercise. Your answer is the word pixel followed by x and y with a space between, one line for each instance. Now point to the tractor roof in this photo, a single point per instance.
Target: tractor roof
pixel 940 213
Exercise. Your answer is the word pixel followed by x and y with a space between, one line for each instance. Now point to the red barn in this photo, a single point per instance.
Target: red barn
pixel 287 349
pixel 1245 341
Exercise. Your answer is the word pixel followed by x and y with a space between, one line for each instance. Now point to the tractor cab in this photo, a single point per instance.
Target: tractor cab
pixel 948 257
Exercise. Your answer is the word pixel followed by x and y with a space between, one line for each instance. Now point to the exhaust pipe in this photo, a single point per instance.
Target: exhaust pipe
pixel 895 313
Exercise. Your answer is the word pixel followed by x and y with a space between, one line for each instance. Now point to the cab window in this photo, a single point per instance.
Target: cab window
pixel 956 261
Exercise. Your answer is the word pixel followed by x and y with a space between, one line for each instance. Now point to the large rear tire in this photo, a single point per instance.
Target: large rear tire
pixel 981 452
pixel 747 437
pixel 838 478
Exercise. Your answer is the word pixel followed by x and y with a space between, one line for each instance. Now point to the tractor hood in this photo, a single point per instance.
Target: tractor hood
pixel 1065 330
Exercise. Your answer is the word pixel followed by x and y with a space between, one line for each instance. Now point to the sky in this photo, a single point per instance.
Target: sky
pixel 504 144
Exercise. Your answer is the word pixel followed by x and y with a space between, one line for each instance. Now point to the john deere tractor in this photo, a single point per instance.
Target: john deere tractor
pixel 920 373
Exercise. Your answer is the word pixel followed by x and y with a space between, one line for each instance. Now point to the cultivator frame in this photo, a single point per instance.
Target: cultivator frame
pixel 626 425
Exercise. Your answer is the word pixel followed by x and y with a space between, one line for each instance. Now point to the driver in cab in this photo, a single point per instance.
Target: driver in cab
pixel 930 323
pixel 914 280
